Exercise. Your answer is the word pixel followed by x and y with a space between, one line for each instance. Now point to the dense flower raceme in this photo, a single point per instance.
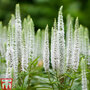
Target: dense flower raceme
pixel 54 48
pixel 83 74
pixel 76 52
pixel 69 43
pixel 19 44
pixel 61 42
pixel 46 50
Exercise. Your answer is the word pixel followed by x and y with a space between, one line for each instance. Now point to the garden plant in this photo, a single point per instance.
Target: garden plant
pixel 56 58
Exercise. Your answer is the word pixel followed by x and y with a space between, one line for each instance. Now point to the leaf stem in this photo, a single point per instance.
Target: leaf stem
pixel 50 80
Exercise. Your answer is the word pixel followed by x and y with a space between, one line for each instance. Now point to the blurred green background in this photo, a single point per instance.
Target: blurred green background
pixel 44 11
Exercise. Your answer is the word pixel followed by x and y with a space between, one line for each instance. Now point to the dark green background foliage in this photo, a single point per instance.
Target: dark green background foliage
pixel 44 11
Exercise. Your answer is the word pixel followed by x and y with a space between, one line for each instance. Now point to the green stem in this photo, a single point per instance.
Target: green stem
pixel 58 80
pixel 71 83
pixel 50 80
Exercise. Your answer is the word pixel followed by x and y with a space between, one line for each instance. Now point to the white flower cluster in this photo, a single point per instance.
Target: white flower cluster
pixel 19 44
pixel 46 50
pixel 66 55
pixel 22 46
pixel 69 42
pixel 76 52
pixel 3 39
pixel 54 48
pixel 84 78
pixel 58 44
